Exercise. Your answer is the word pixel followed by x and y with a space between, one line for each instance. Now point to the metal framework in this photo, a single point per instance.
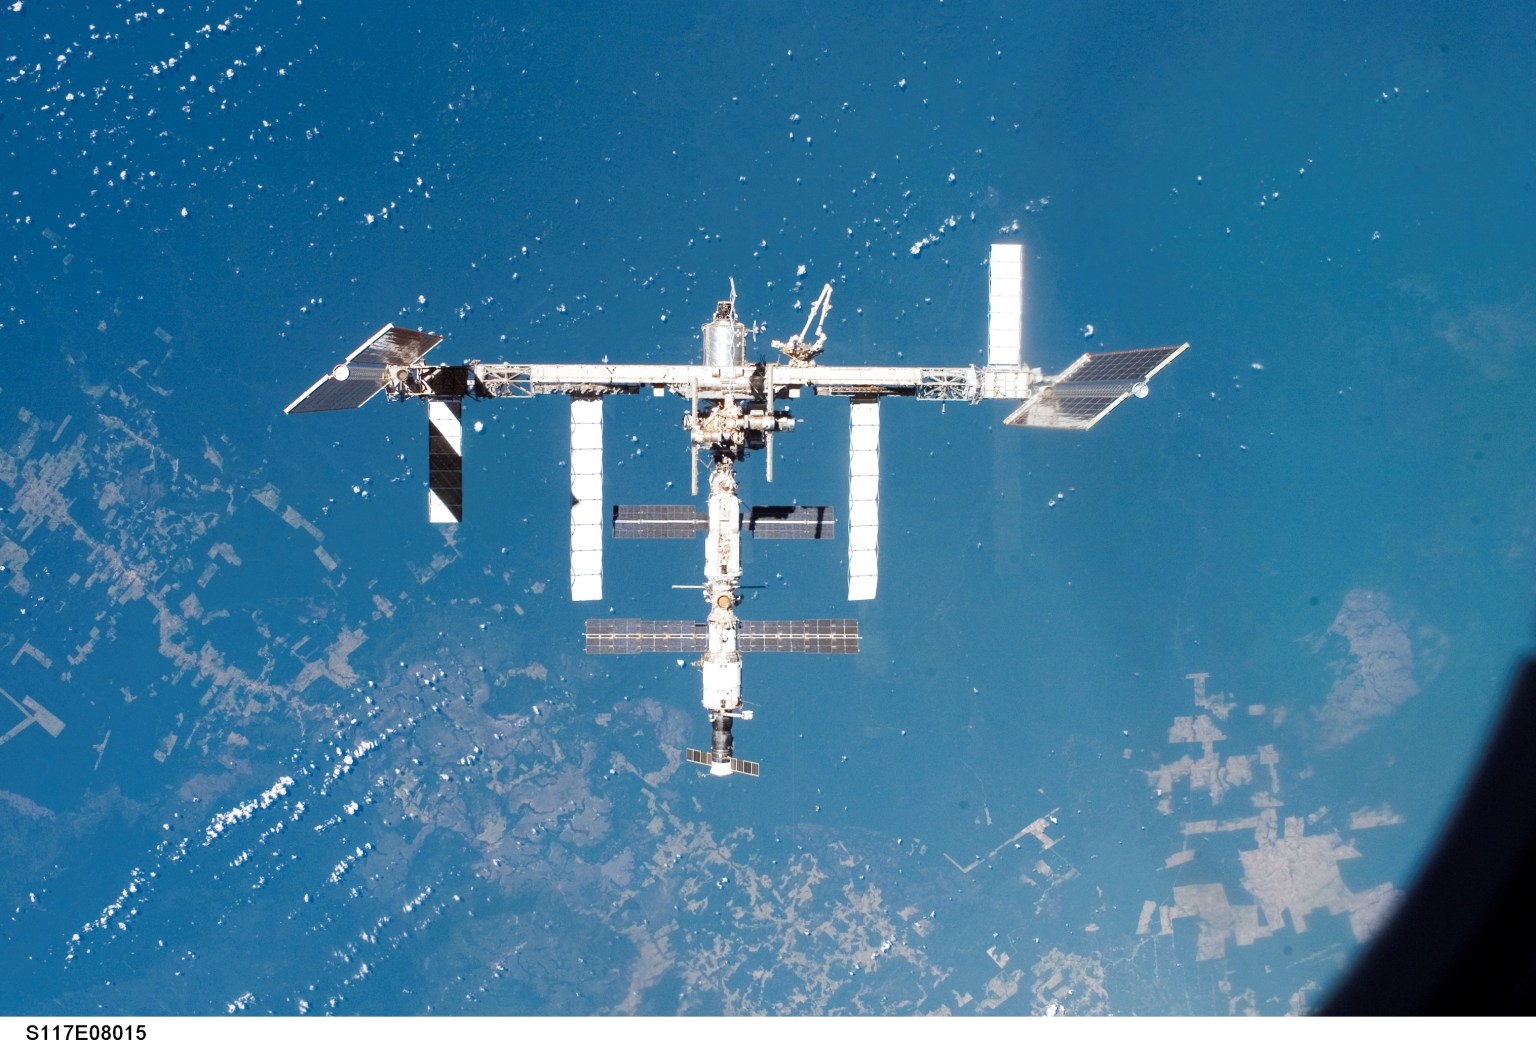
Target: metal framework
pixel 735 407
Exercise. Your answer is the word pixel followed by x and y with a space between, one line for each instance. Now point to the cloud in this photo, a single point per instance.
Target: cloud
pixel 1380 674
pixel 1493 338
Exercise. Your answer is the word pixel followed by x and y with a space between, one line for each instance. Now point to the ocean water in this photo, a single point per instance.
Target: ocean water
pixel 398 785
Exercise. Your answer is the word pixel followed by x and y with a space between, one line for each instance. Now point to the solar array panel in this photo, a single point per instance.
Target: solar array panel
pixel 1086 409
pixel 683 521
pixel 445 460
pixel 792 522
pixel 1138 364
pixel 342 389
pixel 738 765
pixel 363 374
pixel 658 520
pixel 798 636
pixel 395 346
pixel 1092 387
pixel 629 635
pixel 1048 410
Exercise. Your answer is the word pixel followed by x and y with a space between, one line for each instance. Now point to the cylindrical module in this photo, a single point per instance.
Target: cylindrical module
pixel 722 681
pixel 723 343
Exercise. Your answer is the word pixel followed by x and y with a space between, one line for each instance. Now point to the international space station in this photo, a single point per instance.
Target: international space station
pixel 735 406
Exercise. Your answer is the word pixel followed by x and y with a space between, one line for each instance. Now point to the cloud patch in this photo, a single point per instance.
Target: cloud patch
pixel 1380 673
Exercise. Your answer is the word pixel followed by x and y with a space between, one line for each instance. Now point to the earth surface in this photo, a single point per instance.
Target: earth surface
pixel 1158 718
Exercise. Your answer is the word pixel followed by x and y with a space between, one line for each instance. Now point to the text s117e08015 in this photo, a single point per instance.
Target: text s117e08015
pixel 86 1032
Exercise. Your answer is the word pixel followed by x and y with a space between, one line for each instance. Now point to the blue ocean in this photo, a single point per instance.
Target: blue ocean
pixel 1156 718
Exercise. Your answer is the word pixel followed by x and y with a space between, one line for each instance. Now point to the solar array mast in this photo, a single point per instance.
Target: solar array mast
pixel 735 407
